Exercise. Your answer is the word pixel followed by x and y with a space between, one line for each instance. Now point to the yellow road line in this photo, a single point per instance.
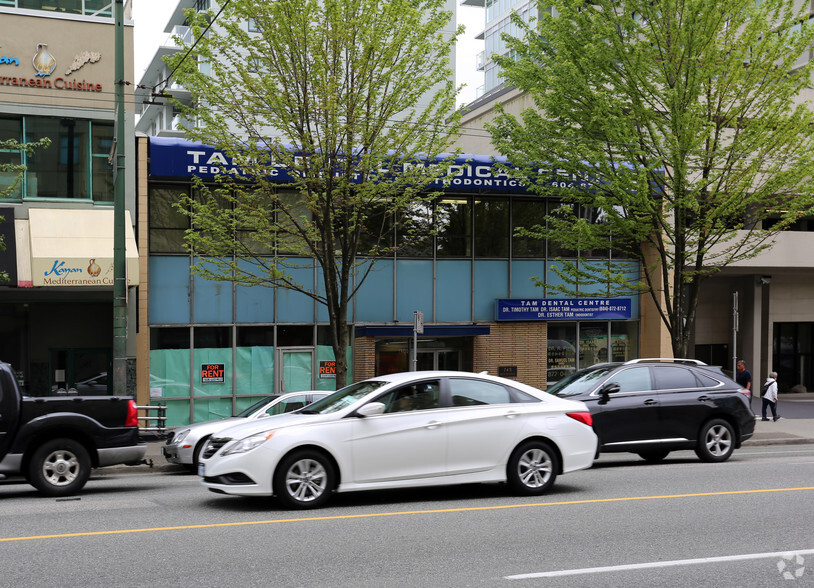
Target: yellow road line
pixel 400 513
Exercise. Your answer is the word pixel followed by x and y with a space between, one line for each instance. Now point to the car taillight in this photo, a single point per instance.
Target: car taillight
pixel 132 414
pixel 746 393
pixel 583 417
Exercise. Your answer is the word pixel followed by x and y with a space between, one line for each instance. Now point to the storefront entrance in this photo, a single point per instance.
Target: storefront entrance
pixel 296 369
pixel 439 359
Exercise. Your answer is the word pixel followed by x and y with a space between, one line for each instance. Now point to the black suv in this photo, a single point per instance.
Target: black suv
pixel 654 406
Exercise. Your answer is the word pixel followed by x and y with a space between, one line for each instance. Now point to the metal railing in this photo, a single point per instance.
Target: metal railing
pixel 154 424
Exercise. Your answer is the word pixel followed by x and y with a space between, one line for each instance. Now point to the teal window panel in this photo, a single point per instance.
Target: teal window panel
pixel 374 300
pixel 254 304
pixel 177 412
pixel 169 290
pixel 169 373
pixel 296 307
pixel 453 291
pixel 413 289
pixel 203 357
pixel 599 289
pixel 491 283
pixel 208 409
pixel 524 276
pixel 322 310
pixel 326 353
pixel 255 370
pixel 552 279
pixel 213 301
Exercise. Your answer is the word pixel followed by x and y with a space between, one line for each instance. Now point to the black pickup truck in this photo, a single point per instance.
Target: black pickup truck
pixel 54 442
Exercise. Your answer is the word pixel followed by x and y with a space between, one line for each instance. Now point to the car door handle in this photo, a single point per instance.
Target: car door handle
pixel 432 425
pixel 511 414
pixel 703 398
pixel 650 402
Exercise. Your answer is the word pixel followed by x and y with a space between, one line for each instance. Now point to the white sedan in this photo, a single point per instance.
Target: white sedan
pixel 404 430
pixel 184 444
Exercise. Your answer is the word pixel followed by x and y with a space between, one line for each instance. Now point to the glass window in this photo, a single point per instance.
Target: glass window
pixel 294 207
pixel 102 173
pixel 593 343
pixel 418 396
pixel 636 379
pixel 477 392
pixel 527 214
pixel 415 234
pixel 212 337
pixel 11 181
pixel 491 227
pixel 624 341
pixel 255 336
pixel 169 338
pixel 674 378
pixel 99 7
pixel 67 6
pixel 167 223
pixel 562 351
pixel 453 222
pixel 287 405
pixel 295 336
pixel 61 170
pixel 560 210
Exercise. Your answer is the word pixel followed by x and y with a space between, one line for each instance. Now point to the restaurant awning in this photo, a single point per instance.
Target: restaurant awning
pixel 71 247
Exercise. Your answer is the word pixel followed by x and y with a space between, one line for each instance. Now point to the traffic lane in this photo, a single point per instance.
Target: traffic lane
pixel 453 536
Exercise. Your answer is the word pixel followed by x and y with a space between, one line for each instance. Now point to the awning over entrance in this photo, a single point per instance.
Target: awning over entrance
pixel 429 330
pixel 69 247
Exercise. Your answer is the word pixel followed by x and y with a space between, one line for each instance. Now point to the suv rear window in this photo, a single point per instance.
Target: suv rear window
pixel 674 378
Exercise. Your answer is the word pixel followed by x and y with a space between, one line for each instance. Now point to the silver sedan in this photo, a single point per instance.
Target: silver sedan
pixel 184 444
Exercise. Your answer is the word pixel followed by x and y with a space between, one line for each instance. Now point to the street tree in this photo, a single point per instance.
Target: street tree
pixel 15 169
pixel 679 133
pixel 354 100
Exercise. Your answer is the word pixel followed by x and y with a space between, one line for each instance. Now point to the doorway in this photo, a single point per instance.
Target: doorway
pixel 295 371
pixel 81 371
pixel 439 359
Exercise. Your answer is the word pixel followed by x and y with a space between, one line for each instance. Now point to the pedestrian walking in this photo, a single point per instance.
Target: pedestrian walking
pixel 769 395
pixel 744 377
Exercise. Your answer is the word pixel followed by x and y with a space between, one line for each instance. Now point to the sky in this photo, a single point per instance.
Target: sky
pixel 151 16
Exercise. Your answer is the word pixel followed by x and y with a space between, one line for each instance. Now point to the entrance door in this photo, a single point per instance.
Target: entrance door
pixel 439 359
pixel 295 370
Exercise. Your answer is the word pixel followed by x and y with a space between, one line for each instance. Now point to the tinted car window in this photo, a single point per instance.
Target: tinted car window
pixel 635 379
pixel 580 382
pixel 674 378
pixel 418 396
pixel 706 381
pixel 476 392
pixel 287 405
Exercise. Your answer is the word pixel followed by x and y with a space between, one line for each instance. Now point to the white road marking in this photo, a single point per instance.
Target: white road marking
pixel 660 564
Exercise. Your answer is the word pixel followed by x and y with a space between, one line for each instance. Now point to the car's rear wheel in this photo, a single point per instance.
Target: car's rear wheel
pixel 304 479
pixel 716 442
pixel 532 468
pixel 59 467
pixel 654 455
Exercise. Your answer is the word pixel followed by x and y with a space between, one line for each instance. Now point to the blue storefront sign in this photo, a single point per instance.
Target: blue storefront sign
pixel 563 309
pixel 179 158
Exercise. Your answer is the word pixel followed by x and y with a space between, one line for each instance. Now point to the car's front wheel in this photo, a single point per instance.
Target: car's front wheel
pixel 59 467
pixel 532 468
pixel 716 442
pixel 304 479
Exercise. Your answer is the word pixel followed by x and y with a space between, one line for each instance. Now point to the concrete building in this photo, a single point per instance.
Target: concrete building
pixel 56 307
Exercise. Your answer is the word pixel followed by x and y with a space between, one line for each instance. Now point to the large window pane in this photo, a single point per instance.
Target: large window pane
pixel 562 351
pixel 624 341
pixel 453 221
pixel 528 214
pixel 68 6
pixel 61 170
pixel 491 227
pixel 167 223
pixel 415 234
pixel 10 181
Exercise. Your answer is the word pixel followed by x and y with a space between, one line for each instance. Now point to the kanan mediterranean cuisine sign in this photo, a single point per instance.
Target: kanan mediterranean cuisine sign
pixel 563 309
pixel 44 64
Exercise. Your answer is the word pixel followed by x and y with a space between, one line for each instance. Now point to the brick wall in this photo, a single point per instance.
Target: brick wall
pixel 514 344
pixel 364 359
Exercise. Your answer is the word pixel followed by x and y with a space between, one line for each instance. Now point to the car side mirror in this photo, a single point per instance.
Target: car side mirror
pixel 370 409
pixel 606 390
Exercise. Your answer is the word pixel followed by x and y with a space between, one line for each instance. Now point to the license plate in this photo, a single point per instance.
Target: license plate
pixel 201 470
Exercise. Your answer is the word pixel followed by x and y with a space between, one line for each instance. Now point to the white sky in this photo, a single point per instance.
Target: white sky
pixel 151 16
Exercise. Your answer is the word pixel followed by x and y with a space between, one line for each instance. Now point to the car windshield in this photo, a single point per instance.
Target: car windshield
pixel 342 398
pixel 580 382
pixel 256 406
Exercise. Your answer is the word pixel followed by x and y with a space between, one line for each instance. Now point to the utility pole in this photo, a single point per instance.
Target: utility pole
pixel 119 253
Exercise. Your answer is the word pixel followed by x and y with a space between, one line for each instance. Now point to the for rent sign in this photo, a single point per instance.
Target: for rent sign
pixel 213 373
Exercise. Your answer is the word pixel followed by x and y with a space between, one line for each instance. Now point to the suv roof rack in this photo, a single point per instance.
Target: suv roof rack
pixel 666 360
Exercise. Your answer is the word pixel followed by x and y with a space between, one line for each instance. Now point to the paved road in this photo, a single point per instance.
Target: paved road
pixel 621 523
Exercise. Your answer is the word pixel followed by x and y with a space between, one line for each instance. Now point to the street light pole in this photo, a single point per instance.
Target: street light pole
pixel 119 254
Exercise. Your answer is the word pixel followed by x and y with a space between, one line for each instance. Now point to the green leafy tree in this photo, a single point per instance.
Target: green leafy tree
pixel 350 97
pixel 685 123
pixel 16 170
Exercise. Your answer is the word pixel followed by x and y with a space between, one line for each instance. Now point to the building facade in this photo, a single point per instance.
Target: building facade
pixel 56 304
pixel 213 347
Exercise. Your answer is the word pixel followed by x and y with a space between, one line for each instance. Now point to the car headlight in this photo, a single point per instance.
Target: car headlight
pixel 248 443
pixel 176 440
